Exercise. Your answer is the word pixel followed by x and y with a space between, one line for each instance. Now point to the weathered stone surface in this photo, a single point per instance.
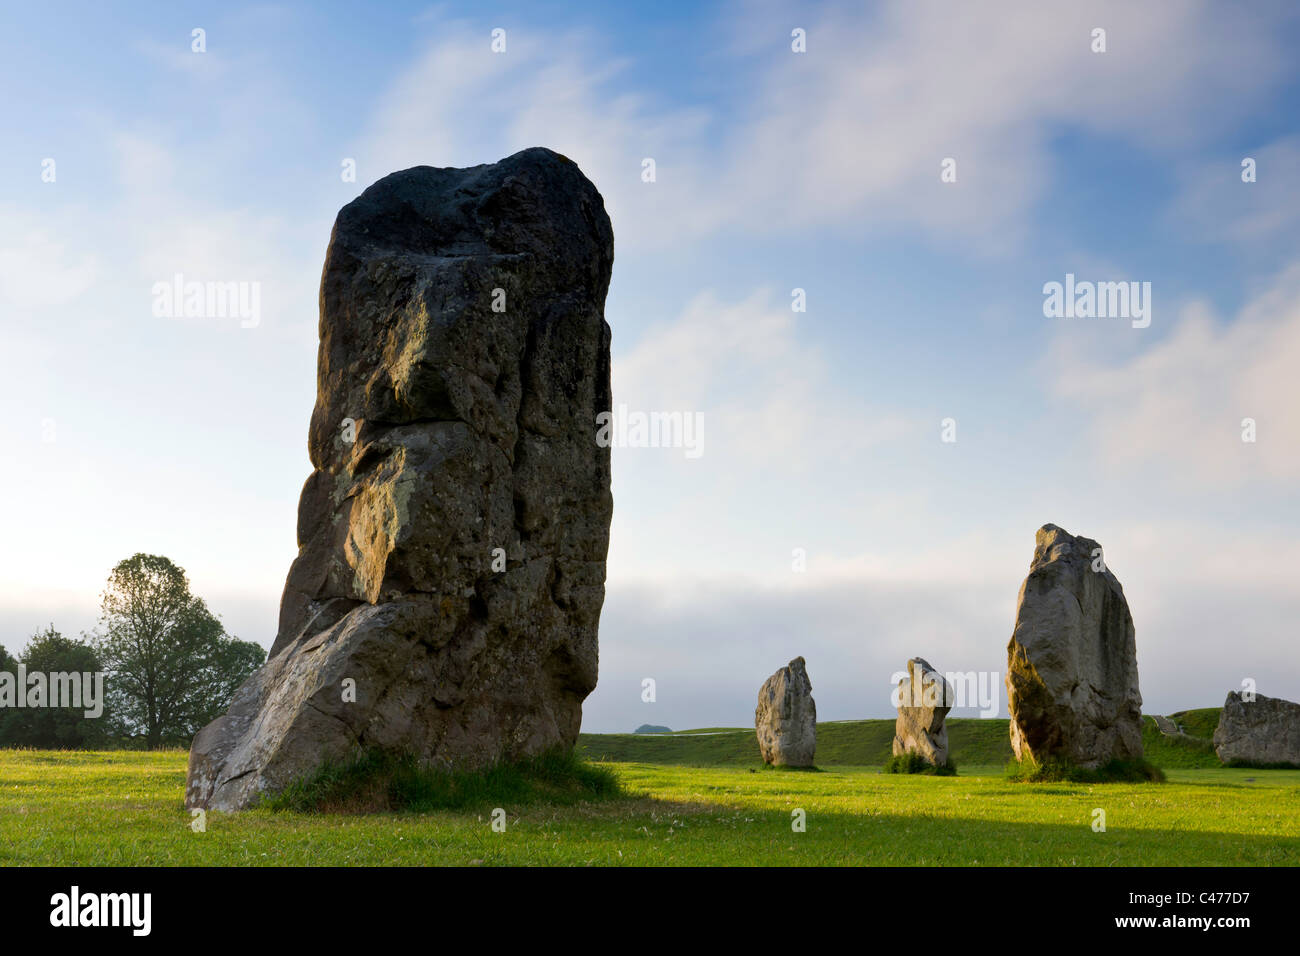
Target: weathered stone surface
pixel 1264 730
pixel 925 697
pixel 786 717
pixel 1072 678
pixel 463 359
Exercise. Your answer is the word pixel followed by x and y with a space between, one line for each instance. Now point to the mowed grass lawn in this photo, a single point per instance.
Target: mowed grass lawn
pixel 125 809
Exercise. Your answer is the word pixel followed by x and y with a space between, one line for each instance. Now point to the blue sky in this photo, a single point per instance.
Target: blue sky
pixel 775 171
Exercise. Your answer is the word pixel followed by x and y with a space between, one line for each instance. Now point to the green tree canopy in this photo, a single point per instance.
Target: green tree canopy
pixel 172 667
pixel 49 652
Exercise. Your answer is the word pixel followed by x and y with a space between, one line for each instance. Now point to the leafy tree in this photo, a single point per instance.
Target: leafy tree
pixel 49 652
pixel 172 667
pixel 8 663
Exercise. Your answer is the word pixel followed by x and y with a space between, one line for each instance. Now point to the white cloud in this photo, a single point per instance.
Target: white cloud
pixel 1216 205
pixel 1178 404
pixel 168 230
pixel 461 104
pixel 777 427
pixel 859 124
pixel 39 267
pixel 851 133
pixel 1210 606
pixel 765 390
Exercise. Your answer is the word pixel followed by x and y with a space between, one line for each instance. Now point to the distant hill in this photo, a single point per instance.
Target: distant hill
pixel 847 742
pixel 972 742
pixel 652 729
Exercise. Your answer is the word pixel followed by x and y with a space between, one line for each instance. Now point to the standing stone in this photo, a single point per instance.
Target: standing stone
pixel 1072 678
pixel 1261 731
pixel 786 718
pixel 925 697
pixel 452 536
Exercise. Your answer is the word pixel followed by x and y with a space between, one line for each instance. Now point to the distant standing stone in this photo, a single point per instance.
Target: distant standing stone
pixel 925 698
pixel 1263 730
pixel 786 718
pixel 1072 677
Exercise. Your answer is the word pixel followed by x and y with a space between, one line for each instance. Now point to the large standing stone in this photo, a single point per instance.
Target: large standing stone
pixel 1072 678
pixel 786 717
pixel 1261 731
pixel 925 697
pixel 452 537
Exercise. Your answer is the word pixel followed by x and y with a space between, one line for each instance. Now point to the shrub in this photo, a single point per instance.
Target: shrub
pixel 376 781
pixel 915 763
pixel 1059 769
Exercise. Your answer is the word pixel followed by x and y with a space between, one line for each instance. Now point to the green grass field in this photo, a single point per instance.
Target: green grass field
pixel 690 799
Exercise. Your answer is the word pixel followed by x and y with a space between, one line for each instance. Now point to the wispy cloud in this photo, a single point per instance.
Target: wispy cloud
pixel 1179 404
pixel 851 133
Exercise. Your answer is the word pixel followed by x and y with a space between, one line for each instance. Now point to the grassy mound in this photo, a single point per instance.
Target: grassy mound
pixel 973 741
pixel 1059 769
pixel 915 763
pixel 1198 723
pixel 373 782
pixel 840 743
pixel 1176 753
